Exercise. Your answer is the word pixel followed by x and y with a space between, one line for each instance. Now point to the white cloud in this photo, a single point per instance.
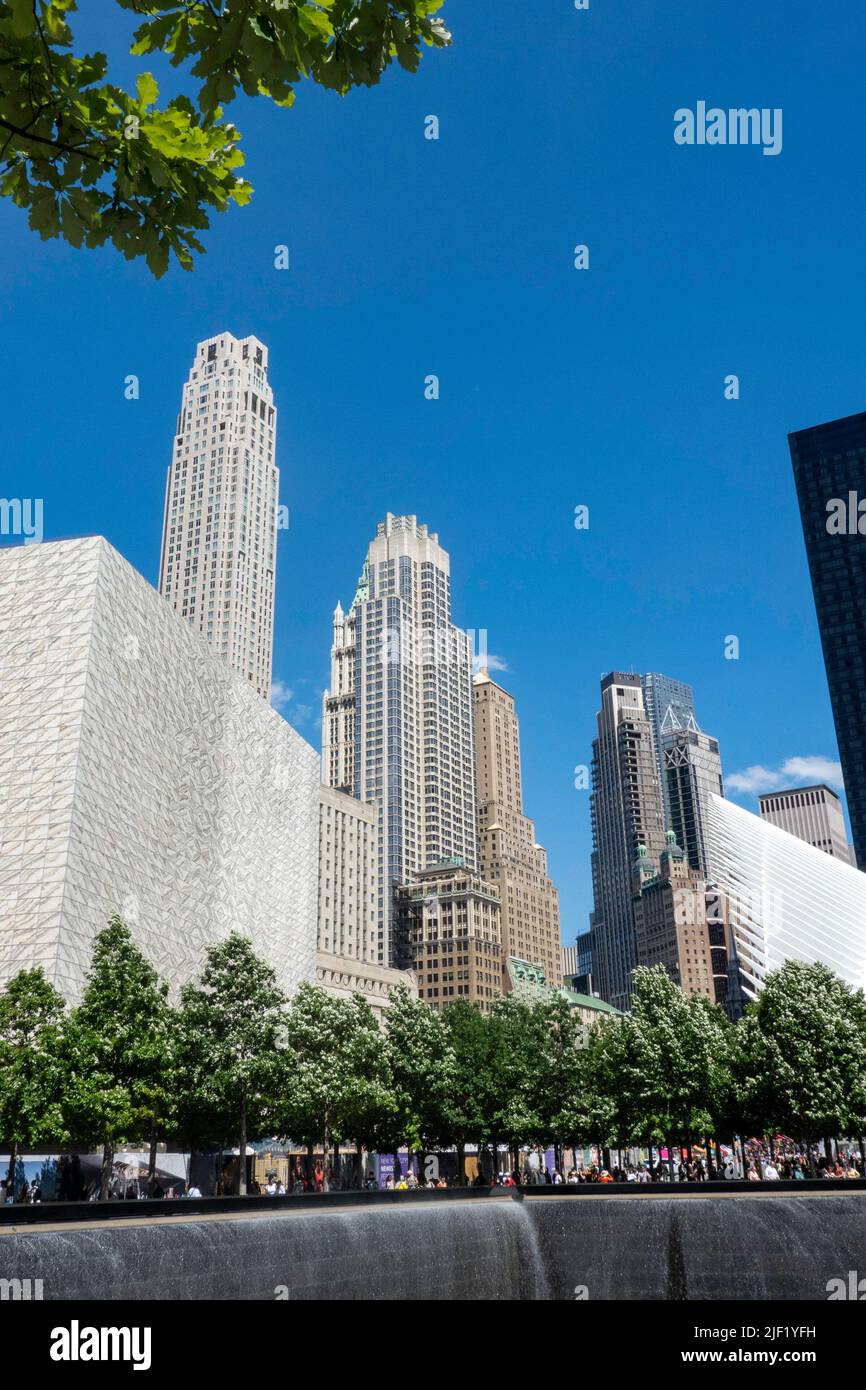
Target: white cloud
pixel 815 770
pixel 281 695
pixel 752 781
pixel 793 772
pixel 489 661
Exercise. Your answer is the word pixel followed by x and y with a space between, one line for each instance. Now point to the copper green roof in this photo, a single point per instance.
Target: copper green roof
pixel 589 1001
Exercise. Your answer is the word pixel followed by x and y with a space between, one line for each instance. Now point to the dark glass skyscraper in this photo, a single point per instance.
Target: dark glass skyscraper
pixel 830 472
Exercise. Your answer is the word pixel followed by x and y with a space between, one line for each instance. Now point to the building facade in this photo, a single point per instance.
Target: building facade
pixel 813 814
pixel 669 705
pixel 785 899
pixel 448 928
pixel 343 977
pixel 627 812
pixel 140 775
pixel 219 535
pixel 830 472
pixel 577 964
pixel 509 855
pixel 692 770
pixel 680 924
pixel 397 719
pixel 348 875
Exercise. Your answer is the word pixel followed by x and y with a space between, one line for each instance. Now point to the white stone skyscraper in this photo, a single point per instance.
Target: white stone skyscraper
pixel 219 535
pixel 397 720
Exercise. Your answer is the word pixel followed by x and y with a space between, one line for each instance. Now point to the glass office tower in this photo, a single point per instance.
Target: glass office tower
pixel 830 472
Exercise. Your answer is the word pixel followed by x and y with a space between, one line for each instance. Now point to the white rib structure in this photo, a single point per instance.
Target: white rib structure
pixel 786 899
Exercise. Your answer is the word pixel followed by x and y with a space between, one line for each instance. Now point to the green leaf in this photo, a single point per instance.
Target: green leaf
pixel 147 87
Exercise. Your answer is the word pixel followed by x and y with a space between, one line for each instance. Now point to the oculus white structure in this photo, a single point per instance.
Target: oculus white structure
pixel 787 900
pixel 140 775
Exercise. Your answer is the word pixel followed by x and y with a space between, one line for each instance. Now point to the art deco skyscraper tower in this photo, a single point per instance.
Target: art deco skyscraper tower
pixel 397 720
pixel 219 535
pixel 509 854
pixel 627 814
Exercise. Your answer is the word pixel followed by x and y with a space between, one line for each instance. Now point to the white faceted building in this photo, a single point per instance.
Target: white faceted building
pixel 787 899
pixel 140 775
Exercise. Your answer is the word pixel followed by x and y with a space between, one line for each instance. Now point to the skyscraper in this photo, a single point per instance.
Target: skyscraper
pixel 509 854
pixel 830 472
pixel 681 925
pixel 627 814
pixel 448 926
pixel 219 534
pixel 397 720
pixel 813 814
pixel 692 772
pixel 669 705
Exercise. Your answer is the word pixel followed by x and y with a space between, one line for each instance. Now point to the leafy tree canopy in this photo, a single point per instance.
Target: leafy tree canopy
pixel 231 1050
pixel 94 163
pixel 117 1043
pixel 31 1073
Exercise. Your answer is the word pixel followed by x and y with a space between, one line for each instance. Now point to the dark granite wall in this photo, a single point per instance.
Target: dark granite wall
pixel 709 1247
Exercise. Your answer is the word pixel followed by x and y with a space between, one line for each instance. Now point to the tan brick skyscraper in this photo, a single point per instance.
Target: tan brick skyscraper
pixel 508 853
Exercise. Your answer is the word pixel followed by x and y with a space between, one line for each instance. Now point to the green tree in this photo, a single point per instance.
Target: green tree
pixel 556 1059
pixel 31 1074
pixel 515 1120
pixel 855 1071
pixel 602 1109
pixel 806 1050
pixel 470 1103
pixel 420 1060
pixel 232 1061
pixel 117 1046
pixel 337 1088
pixel 673 1061
pixel 94 163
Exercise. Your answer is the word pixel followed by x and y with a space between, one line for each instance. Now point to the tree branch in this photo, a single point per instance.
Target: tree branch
pixel 44 140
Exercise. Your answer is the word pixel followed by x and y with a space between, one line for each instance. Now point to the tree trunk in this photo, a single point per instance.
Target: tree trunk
pixel 151 1163
pixel 326 1140
pixel 461 1165
pixel 105 1179
pixel 862 1156
pixel 670 1148
pixel 242 1151
pixel 13 1160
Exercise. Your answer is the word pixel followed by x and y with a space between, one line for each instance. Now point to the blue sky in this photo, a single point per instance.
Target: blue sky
pixel 559 387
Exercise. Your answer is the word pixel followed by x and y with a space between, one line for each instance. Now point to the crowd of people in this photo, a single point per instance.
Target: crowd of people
pixel 783 1162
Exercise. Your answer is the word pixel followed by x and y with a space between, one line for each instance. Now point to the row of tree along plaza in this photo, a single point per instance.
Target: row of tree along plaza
pixel 673 1082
